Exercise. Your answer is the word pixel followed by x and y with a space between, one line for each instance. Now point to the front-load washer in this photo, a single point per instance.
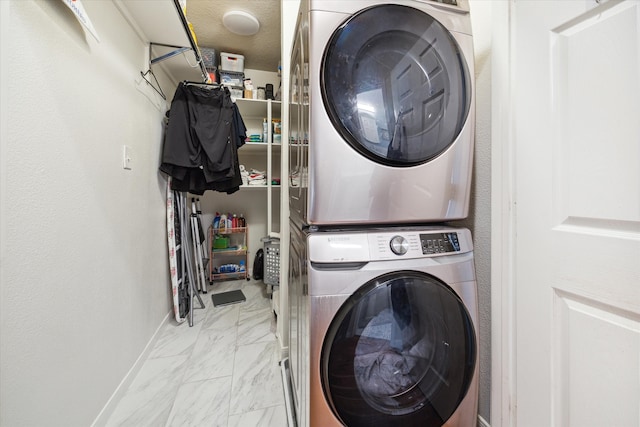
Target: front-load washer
pixel 381 112
pixel 383 327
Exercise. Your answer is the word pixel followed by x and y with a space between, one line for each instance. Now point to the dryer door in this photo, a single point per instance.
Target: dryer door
pixel 396 85
pixel 401 351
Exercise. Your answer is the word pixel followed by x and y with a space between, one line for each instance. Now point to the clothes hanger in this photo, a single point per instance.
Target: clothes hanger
pixel 210 85
pixel 155 87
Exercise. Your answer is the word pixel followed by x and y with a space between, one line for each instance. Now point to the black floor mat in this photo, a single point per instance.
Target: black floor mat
pixel 226 298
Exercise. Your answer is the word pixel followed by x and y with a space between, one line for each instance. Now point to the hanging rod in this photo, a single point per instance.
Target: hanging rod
pixel 192 42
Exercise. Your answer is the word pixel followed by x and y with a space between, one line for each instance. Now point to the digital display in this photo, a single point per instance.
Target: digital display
pixel 437 243
pixel 452 2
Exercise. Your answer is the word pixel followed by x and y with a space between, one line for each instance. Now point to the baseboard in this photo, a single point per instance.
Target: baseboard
pixel 482 422
pixel 284 351
pixel 109 407
pixel 288 393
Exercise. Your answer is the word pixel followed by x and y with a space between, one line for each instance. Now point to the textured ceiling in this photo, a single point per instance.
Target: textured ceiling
pixel 261 51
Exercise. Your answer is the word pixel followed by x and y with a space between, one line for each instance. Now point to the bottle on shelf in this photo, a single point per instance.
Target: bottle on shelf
pixel 242 221
pixel 223 223
pixel 265 127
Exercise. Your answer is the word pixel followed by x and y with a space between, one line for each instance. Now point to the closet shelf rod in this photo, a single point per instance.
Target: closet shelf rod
pixel 192 42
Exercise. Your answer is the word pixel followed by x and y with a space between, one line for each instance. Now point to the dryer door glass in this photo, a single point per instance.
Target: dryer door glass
pixel 396 85
pixel 401 351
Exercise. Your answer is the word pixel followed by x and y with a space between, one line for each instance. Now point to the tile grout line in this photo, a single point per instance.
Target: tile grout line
pixel 233 369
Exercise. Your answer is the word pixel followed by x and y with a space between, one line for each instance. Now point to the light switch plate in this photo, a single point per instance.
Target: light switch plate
pixel 126 157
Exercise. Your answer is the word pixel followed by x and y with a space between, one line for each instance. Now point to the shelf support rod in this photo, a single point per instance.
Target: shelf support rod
pixel 178 51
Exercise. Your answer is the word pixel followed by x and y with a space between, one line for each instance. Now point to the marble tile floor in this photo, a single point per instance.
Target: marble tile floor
pixel 221 372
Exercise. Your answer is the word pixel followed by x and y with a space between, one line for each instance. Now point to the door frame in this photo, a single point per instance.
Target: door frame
pixel 503 220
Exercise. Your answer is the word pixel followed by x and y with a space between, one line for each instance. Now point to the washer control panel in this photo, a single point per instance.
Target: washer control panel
pixel 418 243
pixel 438 243
pixel 380 244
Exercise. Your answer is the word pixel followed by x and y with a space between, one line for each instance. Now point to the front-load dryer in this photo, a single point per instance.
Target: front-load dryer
pixel 383 328
pixel 381 112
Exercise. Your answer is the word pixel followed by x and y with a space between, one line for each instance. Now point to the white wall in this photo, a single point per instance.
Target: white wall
pixel 481 204
pixel 260 78
pixel 83 246
pixel 479 220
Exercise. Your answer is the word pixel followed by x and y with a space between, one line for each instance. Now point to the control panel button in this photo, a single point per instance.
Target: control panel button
pixel 439 243
pixel 399 245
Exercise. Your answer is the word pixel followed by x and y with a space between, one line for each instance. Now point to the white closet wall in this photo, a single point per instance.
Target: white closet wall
pixel 84 275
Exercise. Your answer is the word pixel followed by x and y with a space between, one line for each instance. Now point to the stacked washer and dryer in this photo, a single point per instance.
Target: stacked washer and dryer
pixel 382 292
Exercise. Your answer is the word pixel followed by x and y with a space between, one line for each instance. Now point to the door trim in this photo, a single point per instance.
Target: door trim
pixel 503 220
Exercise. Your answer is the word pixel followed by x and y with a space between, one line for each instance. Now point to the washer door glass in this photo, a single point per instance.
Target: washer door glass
pixel 400 352
pixel 395 84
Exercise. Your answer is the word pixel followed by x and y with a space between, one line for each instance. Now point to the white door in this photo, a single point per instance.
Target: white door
pixel 576 142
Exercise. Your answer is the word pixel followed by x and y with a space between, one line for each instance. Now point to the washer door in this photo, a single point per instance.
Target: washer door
pixel 396 85
pixel 400 352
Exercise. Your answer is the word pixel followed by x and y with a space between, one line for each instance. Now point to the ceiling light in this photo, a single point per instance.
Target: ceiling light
pixel 242 23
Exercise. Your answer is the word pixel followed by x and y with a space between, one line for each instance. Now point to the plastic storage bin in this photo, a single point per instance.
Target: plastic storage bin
pixel 231 78
pixel 220 242
pixel 209 58
pixel 231 62
pixel 235 92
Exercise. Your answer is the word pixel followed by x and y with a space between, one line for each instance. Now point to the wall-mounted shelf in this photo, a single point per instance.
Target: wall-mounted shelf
pixel 258 107
pixel 257 187
pixel 162 24
pixel 257 147
pixel 253 112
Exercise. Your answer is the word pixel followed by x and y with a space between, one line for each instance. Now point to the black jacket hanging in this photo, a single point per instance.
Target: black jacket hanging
pixel 204 133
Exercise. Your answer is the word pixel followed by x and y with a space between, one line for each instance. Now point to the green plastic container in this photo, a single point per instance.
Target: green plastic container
pixel 220 242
